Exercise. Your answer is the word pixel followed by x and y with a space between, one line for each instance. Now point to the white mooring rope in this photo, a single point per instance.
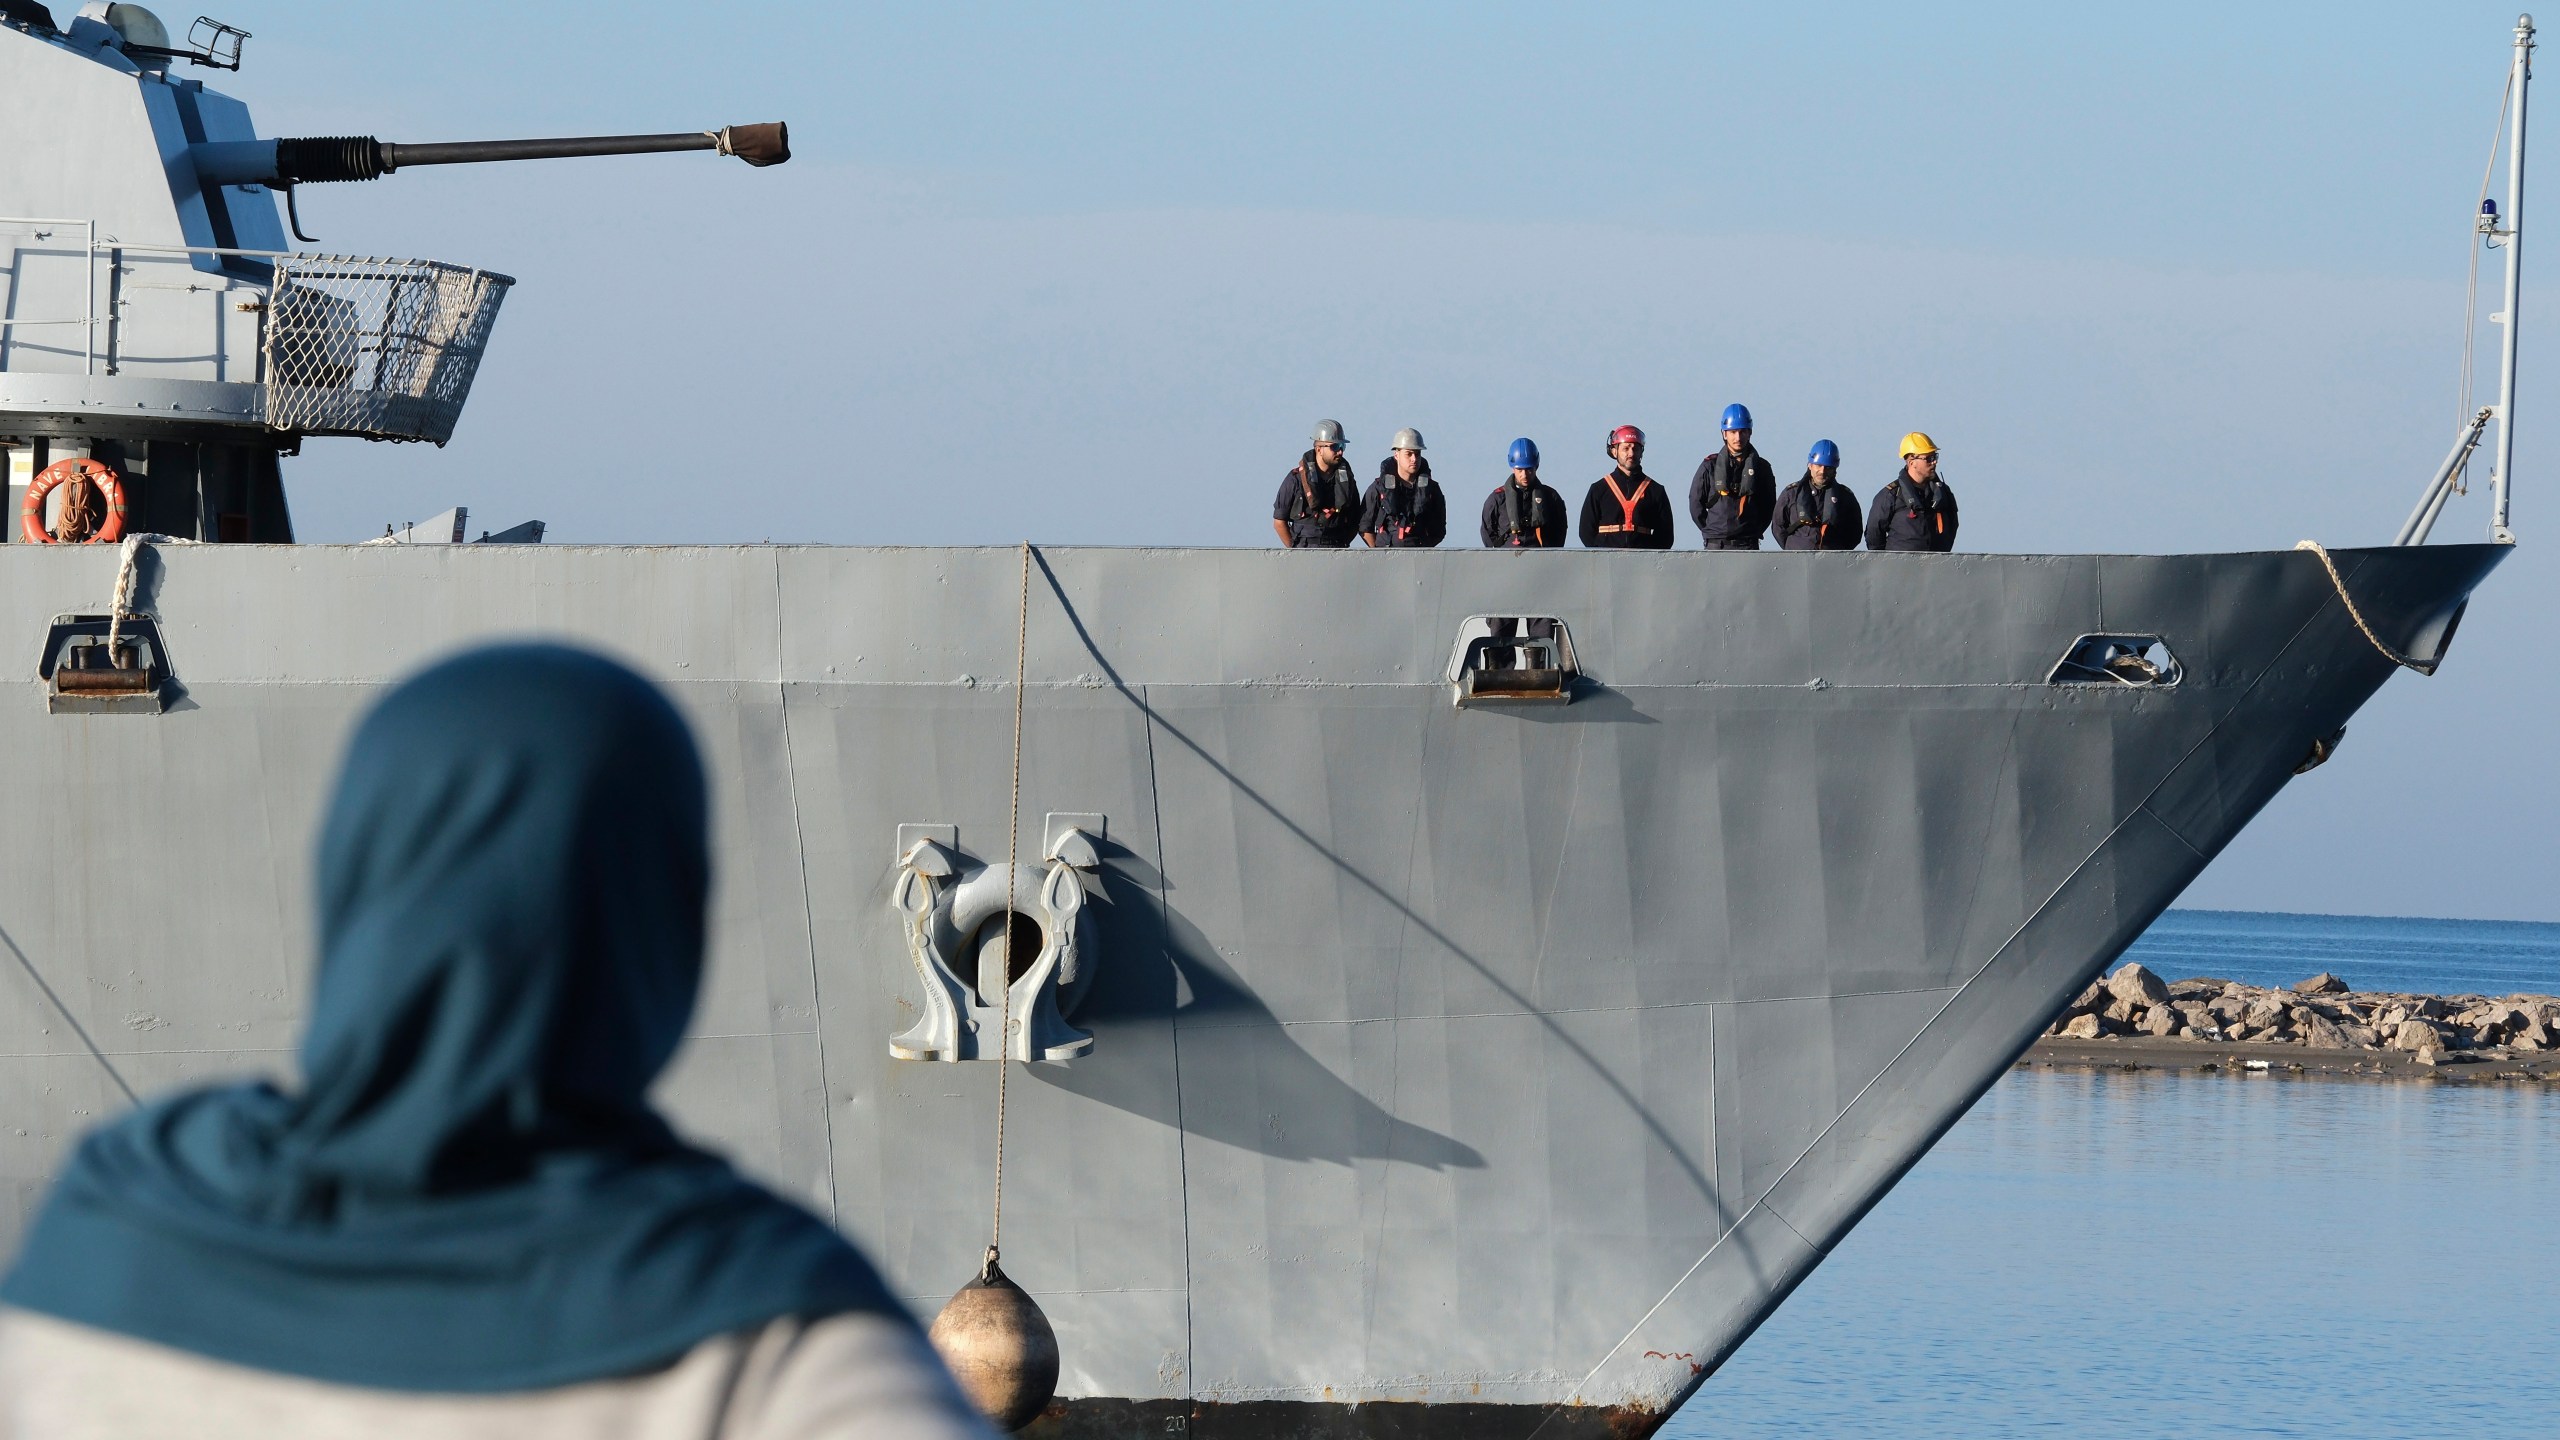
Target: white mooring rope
pixel 120 609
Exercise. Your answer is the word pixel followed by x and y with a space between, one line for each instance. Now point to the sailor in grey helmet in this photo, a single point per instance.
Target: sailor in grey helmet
pixel 1404 507
pixel 1319 500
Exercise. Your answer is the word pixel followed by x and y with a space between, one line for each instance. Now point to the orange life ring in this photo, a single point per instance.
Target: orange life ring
pixel 79 467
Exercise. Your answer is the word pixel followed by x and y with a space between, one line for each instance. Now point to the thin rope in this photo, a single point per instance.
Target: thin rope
pixel 2471 284
pixel 1012 863
pixel 2423 667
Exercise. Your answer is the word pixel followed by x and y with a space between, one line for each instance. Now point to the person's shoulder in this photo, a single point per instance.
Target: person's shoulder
pixel 863 1373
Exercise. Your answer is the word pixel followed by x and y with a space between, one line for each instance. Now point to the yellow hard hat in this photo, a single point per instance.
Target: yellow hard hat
pixel 1916 443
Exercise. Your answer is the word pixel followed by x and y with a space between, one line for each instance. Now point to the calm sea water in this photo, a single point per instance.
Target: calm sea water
pixel 2176 1255
pixel 2437 957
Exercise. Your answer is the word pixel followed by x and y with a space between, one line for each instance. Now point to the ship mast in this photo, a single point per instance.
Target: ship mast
pixel 2513 233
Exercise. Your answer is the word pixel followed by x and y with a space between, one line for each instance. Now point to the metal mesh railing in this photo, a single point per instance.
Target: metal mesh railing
pixel 385 349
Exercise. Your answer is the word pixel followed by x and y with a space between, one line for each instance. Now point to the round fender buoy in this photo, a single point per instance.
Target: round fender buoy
pixel 999 1347
pixel 31 526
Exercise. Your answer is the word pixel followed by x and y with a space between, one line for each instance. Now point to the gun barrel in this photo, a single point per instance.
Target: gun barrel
pixel 321 159
pixel 480 152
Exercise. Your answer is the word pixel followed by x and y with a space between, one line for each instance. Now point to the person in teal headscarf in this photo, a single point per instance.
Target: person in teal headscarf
pixel 467 1218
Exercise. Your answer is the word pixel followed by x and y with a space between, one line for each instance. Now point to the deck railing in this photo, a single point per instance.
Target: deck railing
pixel 346 345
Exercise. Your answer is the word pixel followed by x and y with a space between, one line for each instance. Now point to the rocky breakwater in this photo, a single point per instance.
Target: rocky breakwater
pixel 2319 1025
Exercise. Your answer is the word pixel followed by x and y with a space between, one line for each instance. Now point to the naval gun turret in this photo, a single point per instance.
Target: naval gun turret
pixel 162 344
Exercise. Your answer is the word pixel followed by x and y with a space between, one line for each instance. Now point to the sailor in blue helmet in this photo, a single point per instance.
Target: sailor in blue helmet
pixel 1734 492
pixel 1522 512
pixel 1404 508
pixel 1817 512
pixel 1319 502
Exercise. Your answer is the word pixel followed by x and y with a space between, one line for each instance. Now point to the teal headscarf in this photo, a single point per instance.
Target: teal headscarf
pixel 469 1191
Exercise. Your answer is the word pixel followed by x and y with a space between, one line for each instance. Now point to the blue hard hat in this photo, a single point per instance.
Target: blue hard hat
pixel 1524 454
pixel 1737 417
pixel 1824 453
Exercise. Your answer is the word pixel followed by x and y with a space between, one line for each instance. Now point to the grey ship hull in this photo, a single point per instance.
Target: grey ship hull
pixel 1484 1072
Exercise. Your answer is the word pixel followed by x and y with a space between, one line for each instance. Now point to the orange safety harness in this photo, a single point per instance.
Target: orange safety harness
pixel 1627 505
pixel 74 470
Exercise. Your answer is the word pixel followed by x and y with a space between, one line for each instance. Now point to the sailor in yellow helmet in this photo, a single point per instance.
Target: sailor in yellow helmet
pixel 1917 511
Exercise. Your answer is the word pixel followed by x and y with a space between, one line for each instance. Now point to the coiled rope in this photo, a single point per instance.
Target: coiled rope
pixel 1012 860
pixel 2423 667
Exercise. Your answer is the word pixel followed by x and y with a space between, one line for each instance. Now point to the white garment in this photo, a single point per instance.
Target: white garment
pixel 844 1376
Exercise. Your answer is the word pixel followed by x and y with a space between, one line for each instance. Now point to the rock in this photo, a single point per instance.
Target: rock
pixel 2091 998
pixel 2134 984
pixel 2083 1027
pixel 2361 1036
pixel 2417 1035
pixel 2201 988
pixel 2317 1031
pixel 2162 1021
pixel 2323 983
pixel 2533 1034
pixel 2120 1011
pixel 2265 1010
pixel 2427 1054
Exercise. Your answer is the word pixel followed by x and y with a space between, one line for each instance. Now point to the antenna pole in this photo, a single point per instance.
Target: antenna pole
pixel 2522 77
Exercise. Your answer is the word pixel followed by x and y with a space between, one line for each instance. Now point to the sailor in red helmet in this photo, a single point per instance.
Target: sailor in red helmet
pixel 1626 509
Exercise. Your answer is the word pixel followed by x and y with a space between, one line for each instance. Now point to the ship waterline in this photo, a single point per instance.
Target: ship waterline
pixel 1486 1070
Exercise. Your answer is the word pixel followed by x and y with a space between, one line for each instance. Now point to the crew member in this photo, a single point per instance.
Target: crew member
pixel 1814 513
pixel 1522 512
pixel 1734 492
pixel 1917 511
pixel 1625 509
pixel 1404 507
pixel 1319 501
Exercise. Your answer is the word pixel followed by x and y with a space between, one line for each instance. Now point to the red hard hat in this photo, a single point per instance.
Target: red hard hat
pixel 1625 433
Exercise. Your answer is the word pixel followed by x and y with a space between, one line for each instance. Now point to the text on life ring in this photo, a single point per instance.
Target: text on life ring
pixel 31 526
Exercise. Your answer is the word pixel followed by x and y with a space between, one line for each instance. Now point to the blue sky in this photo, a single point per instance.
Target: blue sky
pixel 2168 278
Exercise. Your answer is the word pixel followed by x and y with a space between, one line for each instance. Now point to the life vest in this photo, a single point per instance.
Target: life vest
pixel 1926 500
pixel 1627 506
pixel 1727 466
pixel 1521 523
pixel 1811 511
pixel 1401 505
pixel 1339 494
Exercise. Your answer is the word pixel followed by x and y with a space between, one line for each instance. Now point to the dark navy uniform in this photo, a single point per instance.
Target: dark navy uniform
pixel 1912 515
pixel 1626 512
pixel 1320 507
pixel 1732 497
pixel 1817 517
pixel 1398 515
pixel 1523 517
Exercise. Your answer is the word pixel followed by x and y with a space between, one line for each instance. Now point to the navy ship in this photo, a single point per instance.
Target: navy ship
pixel 1413 1031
